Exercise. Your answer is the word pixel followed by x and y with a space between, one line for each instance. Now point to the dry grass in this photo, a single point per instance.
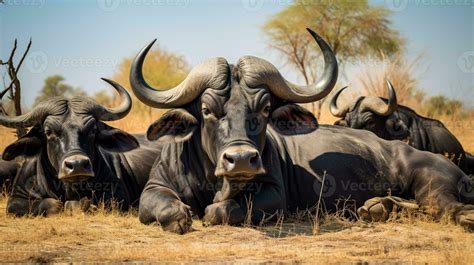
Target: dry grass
pixel 114 237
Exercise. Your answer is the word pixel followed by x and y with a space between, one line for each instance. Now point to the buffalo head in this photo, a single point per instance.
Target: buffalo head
pixel 230 106
pixel 371 113
pixel 67 133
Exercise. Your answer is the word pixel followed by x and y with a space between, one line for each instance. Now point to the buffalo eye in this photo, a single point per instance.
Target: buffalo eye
pixel 266 110
pixel 48 132
pixel 206 112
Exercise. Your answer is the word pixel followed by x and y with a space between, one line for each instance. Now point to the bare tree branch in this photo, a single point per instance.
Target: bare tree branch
pixel 15 86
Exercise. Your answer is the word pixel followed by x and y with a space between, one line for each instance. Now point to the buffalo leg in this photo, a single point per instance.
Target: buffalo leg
pixel 446 191
pixel 162 205
pixel 378 209
pixel 269 200
pixel 22 207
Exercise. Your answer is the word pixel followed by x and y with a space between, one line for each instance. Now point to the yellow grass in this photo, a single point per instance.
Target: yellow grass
pixel 114 237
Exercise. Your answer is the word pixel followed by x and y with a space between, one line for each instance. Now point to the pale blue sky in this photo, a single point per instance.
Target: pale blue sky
pixel 86 40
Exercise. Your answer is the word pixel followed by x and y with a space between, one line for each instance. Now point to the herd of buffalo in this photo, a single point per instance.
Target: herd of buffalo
pixel 235 146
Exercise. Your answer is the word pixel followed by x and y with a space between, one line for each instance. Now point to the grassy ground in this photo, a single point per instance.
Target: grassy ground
pixel 115 237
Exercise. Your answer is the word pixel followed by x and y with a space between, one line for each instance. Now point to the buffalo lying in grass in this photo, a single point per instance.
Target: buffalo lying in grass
pixel 391 121
pixel 236 145
pixel 72 156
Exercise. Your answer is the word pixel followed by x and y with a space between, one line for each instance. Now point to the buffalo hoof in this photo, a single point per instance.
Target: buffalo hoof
pixel 49 206
pixel 82 206
pixel 225 212
pixel 466 219
pixel 17 208
pixel 378 209
pixel 176 218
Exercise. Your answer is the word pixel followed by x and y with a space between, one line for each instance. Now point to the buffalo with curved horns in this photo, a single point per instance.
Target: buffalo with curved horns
pixel 391 121
pixel 235 146
pixel 72 155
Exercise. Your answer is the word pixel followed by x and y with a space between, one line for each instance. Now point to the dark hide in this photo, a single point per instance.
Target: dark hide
pixel 120 162
pixel 295 153
pixel 406 125
pixel 8 171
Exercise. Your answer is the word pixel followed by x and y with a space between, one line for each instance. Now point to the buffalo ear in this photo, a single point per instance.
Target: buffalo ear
pixel 115 140
pixel 396 127
pixel 174 126
pixel 28 145
pixel 292 119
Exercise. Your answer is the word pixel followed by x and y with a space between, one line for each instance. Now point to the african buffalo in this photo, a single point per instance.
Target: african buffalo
pixel 71 155
pixel 8 171
pixel 236 146
pixel 391 121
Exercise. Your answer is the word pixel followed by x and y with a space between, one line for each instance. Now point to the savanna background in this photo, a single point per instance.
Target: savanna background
pixel 61 48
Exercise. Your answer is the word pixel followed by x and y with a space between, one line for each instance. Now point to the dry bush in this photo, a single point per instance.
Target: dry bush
pixel 401 73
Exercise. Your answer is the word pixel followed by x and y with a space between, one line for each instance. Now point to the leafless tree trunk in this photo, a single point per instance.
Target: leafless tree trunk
pixel 15 86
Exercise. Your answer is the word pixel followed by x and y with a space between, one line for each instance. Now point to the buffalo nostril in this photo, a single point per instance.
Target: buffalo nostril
pixel 229 159
pixel 69 165
pixel 254 160
pixel 85 164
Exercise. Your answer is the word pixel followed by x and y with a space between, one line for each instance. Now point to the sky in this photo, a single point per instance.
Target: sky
pixel 86 40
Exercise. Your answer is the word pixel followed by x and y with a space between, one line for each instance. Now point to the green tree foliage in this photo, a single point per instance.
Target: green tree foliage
pixel 354 30
pixel 54 86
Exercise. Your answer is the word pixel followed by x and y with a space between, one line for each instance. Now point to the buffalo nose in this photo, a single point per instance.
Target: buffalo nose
pixel 76 167
pixel 249 159
pixel 240 160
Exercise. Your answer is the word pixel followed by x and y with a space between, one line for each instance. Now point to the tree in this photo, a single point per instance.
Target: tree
pixel 162 69
pixel 54 86
pixel 440 105
pixel 353 29
pixel 14 87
